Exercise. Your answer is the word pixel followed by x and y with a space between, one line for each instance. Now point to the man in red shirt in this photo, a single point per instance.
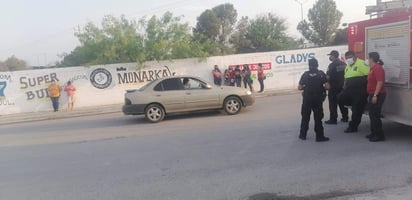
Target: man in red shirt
pixel 376 96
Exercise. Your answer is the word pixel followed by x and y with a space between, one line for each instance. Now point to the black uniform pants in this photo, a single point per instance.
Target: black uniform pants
pixel 375 113
pixel 309 104
pixel 357 98
pixel 333 105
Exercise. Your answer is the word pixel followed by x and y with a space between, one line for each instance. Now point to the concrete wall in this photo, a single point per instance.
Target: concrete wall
pixel 26 91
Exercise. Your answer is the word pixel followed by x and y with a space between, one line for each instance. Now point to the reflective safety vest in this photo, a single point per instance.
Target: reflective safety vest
pixel 358 69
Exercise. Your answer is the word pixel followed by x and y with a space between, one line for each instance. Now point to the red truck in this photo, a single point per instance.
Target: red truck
pixel 388 32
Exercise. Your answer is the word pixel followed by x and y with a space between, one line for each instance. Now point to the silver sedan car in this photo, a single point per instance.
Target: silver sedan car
pixel 180 94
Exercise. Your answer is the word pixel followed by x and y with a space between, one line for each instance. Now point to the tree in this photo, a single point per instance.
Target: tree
pixel 121 40
pixel 341 37
pixel 216 25
pixel 264 33
pixel 117 41
pixel 208 25
pixel 13 64
pixel 239 38
pixel 3 67
pixel 324 20
pixel 166 38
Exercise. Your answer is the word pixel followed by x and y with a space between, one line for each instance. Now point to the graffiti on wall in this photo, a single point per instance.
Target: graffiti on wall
pixel 128 77
pixel 4 101
pixel 35 88
pixel 294 58
pixel 101 78
pixel 266 66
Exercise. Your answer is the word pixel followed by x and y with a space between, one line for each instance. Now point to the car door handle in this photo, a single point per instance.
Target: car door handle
pixel 158 95
pixel 188 93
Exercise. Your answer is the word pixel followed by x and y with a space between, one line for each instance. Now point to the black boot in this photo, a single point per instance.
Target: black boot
pixel 350 130
pixel 322 139
pixel 302 136
pixel 331 122
pixel 377 138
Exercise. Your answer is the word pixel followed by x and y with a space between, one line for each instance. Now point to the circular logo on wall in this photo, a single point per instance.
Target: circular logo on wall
pixel 101 78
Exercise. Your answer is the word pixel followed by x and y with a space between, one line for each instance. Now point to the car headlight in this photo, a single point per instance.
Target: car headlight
pixel 248 92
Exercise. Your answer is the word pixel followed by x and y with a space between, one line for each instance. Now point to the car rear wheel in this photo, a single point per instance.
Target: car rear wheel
pixel 232 105
pixel 154 113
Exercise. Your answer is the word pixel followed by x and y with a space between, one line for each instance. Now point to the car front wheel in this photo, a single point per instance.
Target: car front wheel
pixel 232 105
pixel 154 113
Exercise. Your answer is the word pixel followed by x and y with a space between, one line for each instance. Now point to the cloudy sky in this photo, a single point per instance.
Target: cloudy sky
pixel 38 31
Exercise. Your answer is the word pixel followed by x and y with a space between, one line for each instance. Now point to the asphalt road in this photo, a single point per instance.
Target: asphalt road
pixel 251 156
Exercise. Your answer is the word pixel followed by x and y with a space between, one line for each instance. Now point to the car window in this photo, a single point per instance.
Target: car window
pixel 158 87
pixel 145 86
pixel 191 83
pixel 169 84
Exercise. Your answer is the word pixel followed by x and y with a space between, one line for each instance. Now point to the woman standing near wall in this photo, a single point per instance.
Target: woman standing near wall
pixel 261 77
pixel 70 91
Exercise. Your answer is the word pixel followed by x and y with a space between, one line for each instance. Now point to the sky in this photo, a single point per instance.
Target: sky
pixel 39 31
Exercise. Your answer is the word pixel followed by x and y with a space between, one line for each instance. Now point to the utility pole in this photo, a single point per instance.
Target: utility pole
pixel 301 2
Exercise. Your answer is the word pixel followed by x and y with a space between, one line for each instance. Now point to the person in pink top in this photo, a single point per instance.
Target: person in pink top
pixel 70 91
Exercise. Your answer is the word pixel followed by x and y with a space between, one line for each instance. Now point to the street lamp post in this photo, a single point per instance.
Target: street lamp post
pixel 301 2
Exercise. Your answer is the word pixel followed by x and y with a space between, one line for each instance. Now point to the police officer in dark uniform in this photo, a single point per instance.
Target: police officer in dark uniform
pixel 314 85
pixel 335 75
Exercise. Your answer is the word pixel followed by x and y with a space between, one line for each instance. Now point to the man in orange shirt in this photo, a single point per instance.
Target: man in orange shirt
pixel 70 91
pixel 54 93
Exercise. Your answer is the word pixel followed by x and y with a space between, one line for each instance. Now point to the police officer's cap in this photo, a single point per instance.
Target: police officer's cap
pixel 313 62
pixel 334 53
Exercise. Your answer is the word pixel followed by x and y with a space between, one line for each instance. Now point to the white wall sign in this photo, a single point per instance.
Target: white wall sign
pixel 26 91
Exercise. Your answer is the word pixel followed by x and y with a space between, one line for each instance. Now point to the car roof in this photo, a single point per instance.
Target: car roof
pixel 181 76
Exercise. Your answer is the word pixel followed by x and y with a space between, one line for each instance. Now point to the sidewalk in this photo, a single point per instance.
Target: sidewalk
pixel 94 110
pixel 49 115
pixel 401 193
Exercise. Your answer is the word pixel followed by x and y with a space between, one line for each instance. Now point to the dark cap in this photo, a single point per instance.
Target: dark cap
pixel 349 53
pixel 313 62
pixel 334 53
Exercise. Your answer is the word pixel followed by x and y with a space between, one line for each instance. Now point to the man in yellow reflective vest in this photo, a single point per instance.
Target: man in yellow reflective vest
pixel 354 90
